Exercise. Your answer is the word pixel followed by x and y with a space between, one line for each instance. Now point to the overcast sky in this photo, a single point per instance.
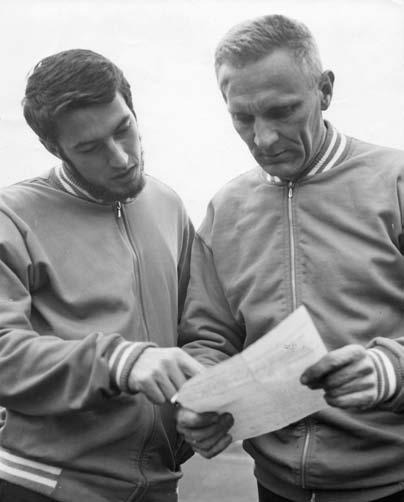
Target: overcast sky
pixel 166 51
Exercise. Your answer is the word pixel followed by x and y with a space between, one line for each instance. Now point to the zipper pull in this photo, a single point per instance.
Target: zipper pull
pixel 118 208
pixel 290 191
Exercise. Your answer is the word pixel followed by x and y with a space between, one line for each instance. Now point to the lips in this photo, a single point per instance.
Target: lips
pixel 267 160
pixel 126 174
pixel 271 156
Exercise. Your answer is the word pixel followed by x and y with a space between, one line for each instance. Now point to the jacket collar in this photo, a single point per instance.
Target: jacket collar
pixel 63 178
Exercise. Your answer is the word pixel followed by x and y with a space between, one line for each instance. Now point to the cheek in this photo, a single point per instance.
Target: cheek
pixel 91 168
pixel 245 133
pixel 299 131
pixel 131 144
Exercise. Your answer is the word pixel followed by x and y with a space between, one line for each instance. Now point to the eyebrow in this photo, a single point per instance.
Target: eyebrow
pixel 264 107
pixel 82 144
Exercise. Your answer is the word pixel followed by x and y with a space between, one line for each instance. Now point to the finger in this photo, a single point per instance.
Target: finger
pixel 189 419
pixel 331 362
pixel 198 435
pixel 210 434
pixel 367 384
pixel 152 392
pixel 166 387
pixel 351 388
pixel 209 442
pixel 221 445
pixel 189 366
pixel 358 384
pixel 177 378
pixel 361 400
pixel 171 379
pixel 349 374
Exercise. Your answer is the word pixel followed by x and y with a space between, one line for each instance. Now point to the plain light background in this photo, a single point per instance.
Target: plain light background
pixel 166 51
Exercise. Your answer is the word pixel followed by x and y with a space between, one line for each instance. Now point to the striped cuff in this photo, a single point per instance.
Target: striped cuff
pixel 386 376
pixel 30 474
pixel 122 360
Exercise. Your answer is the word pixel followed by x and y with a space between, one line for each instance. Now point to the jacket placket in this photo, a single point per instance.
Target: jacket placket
pixel 292 256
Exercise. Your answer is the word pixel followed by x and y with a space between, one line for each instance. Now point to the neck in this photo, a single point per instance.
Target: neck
pixel 317 152
pixel 82 185
pixel 331 147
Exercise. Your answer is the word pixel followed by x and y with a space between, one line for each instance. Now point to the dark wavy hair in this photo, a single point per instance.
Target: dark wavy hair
pixel 66 81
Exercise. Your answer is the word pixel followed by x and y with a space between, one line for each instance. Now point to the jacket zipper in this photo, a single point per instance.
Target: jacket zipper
pixel 292 245
pixel 307 423
pixel 305 452
pixel 117 205
pixel 120 216
pixel 118 209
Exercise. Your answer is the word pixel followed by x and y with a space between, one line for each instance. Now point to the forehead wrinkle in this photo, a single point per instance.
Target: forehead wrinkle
pixel 261 104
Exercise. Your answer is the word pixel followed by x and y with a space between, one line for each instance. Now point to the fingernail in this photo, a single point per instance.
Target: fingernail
pixel 229 419
pixel 304 379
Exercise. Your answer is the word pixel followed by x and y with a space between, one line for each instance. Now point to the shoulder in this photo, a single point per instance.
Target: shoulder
pixel 161 196
pixel 374 154
pixel 159 205
pixel 232 202
pixel 155 187
pixel 28 200
pixel 22 192
pixel 236 189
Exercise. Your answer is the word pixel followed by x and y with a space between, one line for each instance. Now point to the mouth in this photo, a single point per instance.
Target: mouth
pixel 126 174
pixel 274 155
pixel 270 158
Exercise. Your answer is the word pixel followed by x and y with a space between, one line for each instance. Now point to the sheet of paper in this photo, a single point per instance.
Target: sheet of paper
pixel 260 386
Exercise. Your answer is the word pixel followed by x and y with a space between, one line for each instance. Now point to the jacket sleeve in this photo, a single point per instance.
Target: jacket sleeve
pixel 208 331
pixel 41 375
pixel 394 349
pixel 183 267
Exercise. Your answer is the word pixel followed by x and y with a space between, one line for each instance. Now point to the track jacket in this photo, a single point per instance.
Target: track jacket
pixel 78 280
pixel 333 242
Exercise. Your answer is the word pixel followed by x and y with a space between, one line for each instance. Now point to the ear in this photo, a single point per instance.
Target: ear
pixel 325 88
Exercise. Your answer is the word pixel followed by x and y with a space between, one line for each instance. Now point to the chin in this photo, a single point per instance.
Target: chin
pixel 283 171
pixel 130 191
pixel 276 170
pixel 133 190
pixel 138 187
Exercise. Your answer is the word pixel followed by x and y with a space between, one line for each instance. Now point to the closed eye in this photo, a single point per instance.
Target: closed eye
pixel 242 118
pixel 122 130
pixel 90 148
pixel 281 112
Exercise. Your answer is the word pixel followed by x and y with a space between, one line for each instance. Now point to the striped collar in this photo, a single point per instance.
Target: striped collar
pixel 63 179
pixel 330 153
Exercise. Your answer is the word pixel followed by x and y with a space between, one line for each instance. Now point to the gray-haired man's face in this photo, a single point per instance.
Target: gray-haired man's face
pixel 277 111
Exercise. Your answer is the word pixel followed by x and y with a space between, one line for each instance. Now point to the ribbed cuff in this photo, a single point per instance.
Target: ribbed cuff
pixel 122 360
pixel 386 376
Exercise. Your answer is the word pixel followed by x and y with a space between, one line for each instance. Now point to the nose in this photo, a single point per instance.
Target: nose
pixel 265 133
pixel 117 154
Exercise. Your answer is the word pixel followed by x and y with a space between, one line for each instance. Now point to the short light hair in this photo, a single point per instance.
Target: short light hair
pixel 255 39
pixel 66 81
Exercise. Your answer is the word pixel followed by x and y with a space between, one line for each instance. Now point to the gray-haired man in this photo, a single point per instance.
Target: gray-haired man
pixel 318 222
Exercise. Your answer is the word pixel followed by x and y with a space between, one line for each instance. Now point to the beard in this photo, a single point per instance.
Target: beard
pixel 103 193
